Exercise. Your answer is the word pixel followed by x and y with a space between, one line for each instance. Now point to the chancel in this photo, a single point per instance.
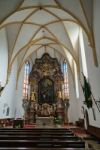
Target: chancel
pixel 49 73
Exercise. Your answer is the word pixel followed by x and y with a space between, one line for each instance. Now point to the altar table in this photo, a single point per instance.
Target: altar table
pixel 44 121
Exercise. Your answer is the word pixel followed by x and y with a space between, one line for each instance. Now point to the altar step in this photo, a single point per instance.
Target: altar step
pixel 39 138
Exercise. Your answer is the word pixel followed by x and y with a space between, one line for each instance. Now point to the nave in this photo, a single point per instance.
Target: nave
pixel 50 74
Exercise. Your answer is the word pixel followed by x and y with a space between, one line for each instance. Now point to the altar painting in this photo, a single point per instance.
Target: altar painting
pixel 46 91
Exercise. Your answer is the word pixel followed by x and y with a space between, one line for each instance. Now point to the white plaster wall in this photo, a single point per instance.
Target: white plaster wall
pixel 19 111
pixel 8 96
pixel 73 111
pixel 94 80
pixel 93 71
pixel 81 105
pixel 3 56
pixel 94 77
pixel 97 28
pixel 80 101
pixel 81 83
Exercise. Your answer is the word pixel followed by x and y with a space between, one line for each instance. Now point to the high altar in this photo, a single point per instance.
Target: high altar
pixel 45 103
pixel 45 121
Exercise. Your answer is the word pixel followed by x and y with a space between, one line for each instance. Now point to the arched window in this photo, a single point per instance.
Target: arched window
pixel 65 86
pixel 83 55
pixel 26 82
pixel 76 80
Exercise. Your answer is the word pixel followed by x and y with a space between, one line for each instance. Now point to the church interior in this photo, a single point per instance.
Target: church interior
pixel 49 74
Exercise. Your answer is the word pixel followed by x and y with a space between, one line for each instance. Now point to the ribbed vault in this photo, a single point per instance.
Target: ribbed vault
pixel 34 27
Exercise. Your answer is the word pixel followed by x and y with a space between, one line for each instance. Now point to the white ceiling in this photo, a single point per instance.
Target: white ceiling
pixel 34 27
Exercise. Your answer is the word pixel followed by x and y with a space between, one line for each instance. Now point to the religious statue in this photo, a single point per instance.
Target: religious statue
pixel 45 110
pixel 59 94
pixel 33 96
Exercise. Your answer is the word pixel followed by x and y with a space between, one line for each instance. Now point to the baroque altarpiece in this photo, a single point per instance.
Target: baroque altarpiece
pixel 46 79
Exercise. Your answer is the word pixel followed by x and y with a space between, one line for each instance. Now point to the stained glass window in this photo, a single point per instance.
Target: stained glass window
pixel 65 86
pixel 76 80
pixel 26 82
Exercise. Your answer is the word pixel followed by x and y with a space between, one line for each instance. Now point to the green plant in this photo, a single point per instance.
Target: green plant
pixel 58 120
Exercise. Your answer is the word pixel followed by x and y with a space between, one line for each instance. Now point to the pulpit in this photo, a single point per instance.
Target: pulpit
pixel 45 122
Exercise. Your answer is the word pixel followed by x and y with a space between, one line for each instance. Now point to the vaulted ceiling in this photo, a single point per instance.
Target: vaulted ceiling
pixel 37 26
